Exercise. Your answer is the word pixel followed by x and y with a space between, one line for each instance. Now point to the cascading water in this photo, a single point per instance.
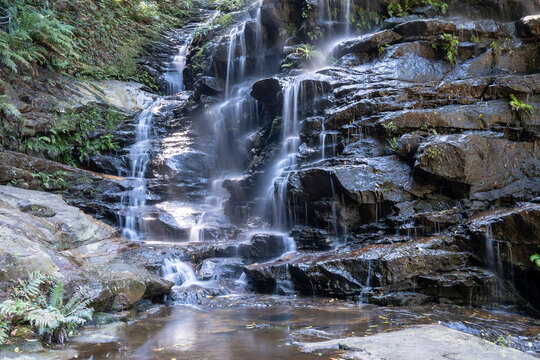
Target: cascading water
pixel 138 160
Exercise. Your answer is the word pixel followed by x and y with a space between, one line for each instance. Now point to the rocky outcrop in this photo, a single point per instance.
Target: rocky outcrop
pixel 425 342
pixel 40 231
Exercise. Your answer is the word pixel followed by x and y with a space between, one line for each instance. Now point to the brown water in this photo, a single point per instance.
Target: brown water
pixel 270 328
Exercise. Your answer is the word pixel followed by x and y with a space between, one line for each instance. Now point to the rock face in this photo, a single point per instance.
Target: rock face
pixel 398 148
pixel 40 231
pixel 428 342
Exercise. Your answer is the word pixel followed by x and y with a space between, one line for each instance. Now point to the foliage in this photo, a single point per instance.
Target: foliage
pixel 8 109
pixel 517 105
pixel 364 19
pixel 218 23
pixel 53 181
pixel 392 144
pixel 495 47
pixel 502 341
pixel 381 49
pixel 99 38
pixel 30 33
pixel 307 51
pixel 402 8
pixel 449 44
pixel 288 29
pixel 315 33
pixel 39 301
pixel 77 136
pixel 535 258
pixel 226 6
pixel 390 126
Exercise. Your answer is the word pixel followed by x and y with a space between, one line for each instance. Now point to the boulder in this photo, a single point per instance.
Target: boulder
pixel 368 43
pixel 429 342
pixel 488 166
pixel 529 27
pixel 267 91
pixel 40 231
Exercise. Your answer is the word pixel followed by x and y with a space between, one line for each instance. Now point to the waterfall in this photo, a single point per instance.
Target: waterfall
pixel 139 153
pixel 178 272
pixel 138 160
pixel 287 158
pixel 236 65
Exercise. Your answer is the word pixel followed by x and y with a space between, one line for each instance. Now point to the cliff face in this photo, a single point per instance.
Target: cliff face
pixel 403 162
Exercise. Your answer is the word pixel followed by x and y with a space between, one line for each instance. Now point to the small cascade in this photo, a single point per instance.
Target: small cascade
pixel 236 63
pixel 178 272
pixel 367 287
pixel 138 158
pixel 287 158
pixel 175 77
pixel 494 262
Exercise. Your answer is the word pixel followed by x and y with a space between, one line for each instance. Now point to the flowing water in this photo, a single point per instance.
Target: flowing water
pixel 242 330
pixel 238 332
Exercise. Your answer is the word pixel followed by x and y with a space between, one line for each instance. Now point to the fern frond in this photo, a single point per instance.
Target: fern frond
pixel 56 297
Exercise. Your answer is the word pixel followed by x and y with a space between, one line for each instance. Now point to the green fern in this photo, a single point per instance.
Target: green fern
pixel 51 318
pixel 33 34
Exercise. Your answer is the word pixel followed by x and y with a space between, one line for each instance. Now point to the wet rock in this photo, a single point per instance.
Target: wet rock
pixel 267 91
pixel 428 342
pixel 409 143
pixel 307 238
pixel 517 227
pixel 490 167
pixel 94 193
pixel 478 116
pixel 369 43
pixel 529 27
pixel 381 272
pixel 72 247
pixel 262 247
pixel 215 268
pixel 207 85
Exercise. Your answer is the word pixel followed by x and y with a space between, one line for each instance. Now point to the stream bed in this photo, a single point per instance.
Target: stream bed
pixel 271 327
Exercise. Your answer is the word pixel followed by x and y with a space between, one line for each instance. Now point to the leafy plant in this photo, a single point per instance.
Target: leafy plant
pixel 475 39
pixel 393 145
pixel 39 301
pixel 226 6
pixel 502 341
pixel 315 33
pixel 390 126
pixel 55 181
pixel 288 29
pixel 518 106
pixel 535 258
pixel 495 47
pixel 307 51
pixel 32 33
pixel 402 8
pixel 77 136
pixel 449 44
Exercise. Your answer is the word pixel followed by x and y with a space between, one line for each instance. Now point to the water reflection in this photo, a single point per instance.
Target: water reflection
pixel 270 332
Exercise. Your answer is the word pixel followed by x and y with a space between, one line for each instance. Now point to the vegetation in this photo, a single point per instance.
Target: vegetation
pixel 393 145
pixel 99 38
pixel 73 138
pixel 449 44
pixel 404 7
pixel 226 6
pixel 53 181
pixel 39 301
pixel 535 258
pixel 364 19
pixel 308 51
pixel 520 106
